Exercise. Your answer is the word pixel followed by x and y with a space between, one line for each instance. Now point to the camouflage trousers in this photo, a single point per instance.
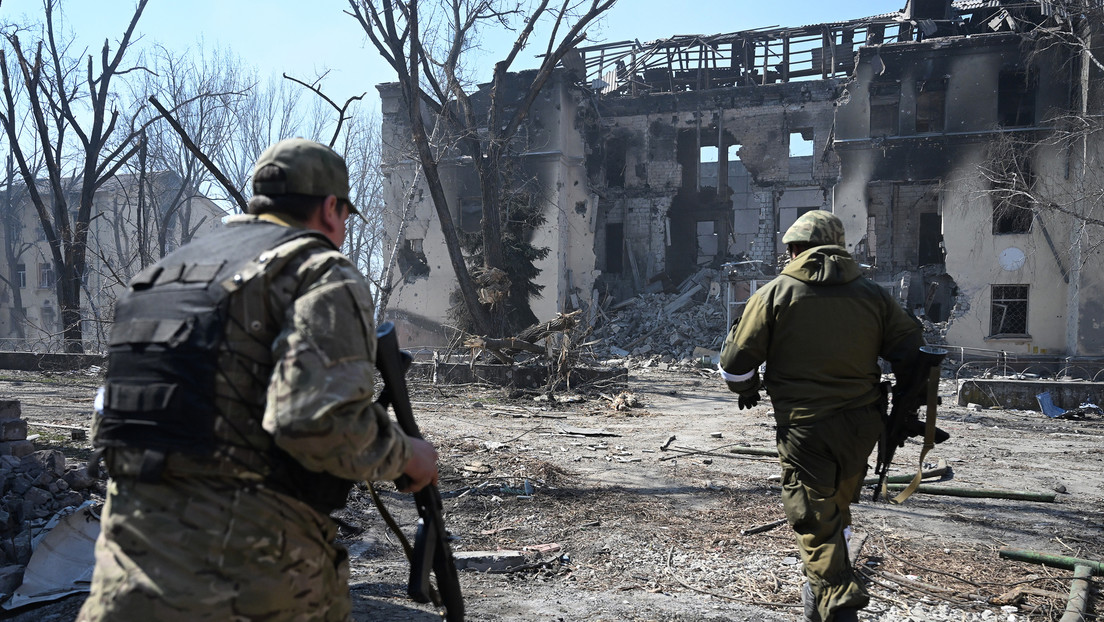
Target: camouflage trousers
pixel 823 466
pixel 205 549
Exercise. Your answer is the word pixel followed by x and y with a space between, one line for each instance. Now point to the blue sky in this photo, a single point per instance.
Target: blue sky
pixel 305 38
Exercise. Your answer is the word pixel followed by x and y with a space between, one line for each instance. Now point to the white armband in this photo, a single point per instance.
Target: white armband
pixel 735 377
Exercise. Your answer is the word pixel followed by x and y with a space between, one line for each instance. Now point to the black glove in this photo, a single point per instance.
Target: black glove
pixel 748 399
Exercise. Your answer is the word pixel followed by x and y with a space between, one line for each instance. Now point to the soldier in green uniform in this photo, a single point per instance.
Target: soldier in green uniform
pixel 820 327
pixel 238 411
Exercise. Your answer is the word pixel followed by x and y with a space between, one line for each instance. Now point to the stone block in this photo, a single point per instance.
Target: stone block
pixel 482 561
pixel 78 478
pixel 16 449
pixel 11 577
pixel 13 430
pixel 10 409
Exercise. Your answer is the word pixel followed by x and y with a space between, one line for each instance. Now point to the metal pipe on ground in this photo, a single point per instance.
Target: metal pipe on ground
pixel 1083 571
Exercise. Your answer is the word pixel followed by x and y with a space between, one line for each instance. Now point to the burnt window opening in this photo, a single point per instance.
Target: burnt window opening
pixel 931 101
pixel 689 157
pixel 1013 202
pixel 707 242
pixel 1016 98
pixel 615 248
pixel 930 246
pixel 471 215
pixel 1008 310
pixel 616 149
pixel 412 260
pixel 885 105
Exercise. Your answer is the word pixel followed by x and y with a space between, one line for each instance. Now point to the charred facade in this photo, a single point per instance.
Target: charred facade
pixel 929 132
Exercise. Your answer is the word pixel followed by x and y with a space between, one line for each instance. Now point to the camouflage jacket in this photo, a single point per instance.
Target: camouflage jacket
pixel 820 327
pixel 296 372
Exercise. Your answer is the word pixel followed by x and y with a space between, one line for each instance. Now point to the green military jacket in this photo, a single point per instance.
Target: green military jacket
pixel 820 327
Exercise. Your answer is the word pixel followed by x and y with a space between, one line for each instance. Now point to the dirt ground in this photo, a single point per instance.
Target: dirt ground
pixel 620 522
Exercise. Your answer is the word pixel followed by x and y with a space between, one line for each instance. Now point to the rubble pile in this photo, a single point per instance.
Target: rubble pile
pixel 667 326
pixel 34 485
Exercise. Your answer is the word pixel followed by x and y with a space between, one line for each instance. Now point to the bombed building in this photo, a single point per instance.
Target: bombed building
pixel 945 136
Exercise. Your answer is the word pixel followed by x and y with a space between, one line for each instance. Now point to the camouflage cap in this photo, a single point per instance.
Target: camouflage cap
pixel 817 228
pixel 309 168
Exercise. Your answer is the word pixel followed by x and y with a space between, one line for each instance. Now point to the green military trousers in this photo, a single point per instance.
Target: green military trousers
pixel 823 466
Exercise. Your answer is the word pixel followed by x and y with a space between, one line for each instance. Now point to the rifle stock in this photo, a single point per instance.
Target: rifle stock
pixel 431 547
pixel 903 421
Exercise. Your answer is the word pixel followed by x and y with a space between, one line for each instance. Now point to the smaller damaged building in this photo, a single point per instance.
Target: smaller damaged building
pixel 931 132
pixel 964 181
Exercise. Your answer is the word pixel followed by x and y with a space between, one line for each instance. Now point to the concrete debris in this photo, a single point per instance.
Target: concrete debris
pixel 36 485
pixel 670 329
pixel 625 400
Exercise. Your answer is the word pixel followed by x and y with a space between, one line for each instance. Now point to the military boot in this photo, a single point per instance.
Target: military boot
pixel 848 614
pixel 809 602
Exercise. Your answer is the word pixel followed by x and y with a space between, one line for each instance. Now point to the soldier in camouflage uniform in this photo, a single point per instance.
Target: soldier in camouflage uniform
pixel 820 328
pixel 235 525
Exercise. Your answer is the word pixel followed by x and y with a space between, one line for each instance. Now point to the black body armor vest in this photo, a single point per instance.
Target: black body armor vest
pixel 163 360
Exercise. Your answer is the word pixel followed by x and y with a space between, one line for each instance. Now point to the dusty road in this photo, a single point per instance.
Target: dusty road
pixel 618 528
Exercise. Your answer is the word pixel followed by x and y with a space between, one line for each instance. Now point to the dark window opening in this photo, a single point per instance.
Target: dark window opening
pixel 931 98
pixel 1008 310
pixel 1015 98
pixel 471 215
pixel 615 162
pixel 931 239
pixel 615 243
pixel 1013 201
pixel 707 242
pixel 412 261
pixel 1008 218
pixel 885 104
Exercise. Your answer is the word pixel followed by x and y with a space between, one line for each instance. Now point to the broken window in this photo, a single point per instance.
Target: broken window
pixel 931 239
pixel 931 97
pixel 616 147
pixel 471 214
pixel 801 143
pixel 707 242
pixel 412 260
pixel 1015 98
pixel 615 242
pixel 1008 310
pixel 885 104
pixel 1013 201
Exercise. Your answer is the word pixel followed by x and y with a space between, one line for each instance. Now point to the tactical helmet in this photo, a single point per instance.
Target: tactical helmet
pixel 815 228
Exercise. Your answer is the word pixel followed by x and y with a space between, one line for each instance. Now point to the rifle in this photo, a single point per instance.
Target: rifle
pixel 431 546
pixel 902 421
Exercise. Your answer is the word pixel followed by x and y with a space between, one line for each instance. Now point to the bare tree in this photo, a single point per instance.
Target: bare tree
pixel 14 248
pixel 432 81
pixel 76 128
pixel 1071 34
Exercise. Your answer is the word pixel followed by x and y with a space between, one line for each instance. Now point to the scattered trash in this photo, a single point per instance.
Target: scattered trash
pixel 63 558
pixel 1052 410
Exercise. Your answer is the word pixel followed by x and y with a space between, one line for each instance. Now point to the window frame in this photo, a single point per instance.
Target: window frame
pixel 1008 295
